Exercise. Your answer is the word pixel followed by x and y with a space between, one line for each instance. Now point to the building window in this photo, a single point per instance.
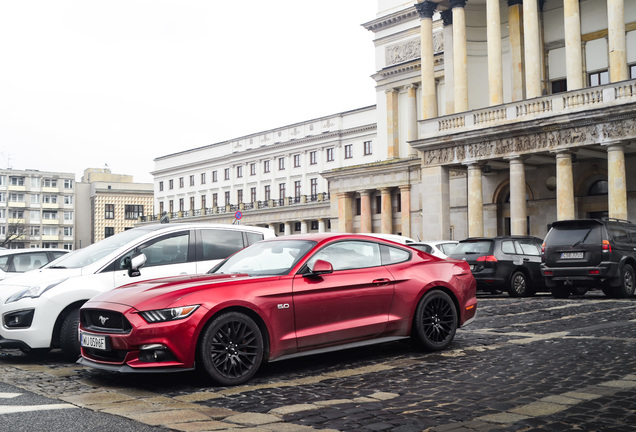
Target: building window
pixel 35 181
pixel 161 207
pixel 51 183
pixel 215 177
pixel 14 197
pixel 47 215
pixel 253 194
pixel 313 184
pixel 109 211
pixel 192 180
pixel 253 169
pixel 378 204
pixel 348 151
pixel 268 193
pixel 171 184
pixel 296 161
pixel 68 231
pixel 202 178
pixel 202 202
pixel 47 199
pixel 599 78
pixel 68 215
pixel 281 190
pixel 68 199
pixel 358 206
pixel 16 181
pixel 227 173
pixel 215 200
pixel 160 186
pixel 312 158
pixel 35 198
pixel 281 228
pixel 239 196
pixel 191 203
pixel 227 198
pixel 181 182
pixel 133 211
pixel 19 214
pixel 330 154
pixel 297 189
pixel 296 226
pixel 239 171
pixel 181 204
pixel 281 163
pixel 109 231
pixel 632 71
pixel 314 225
pixel 171 206
pixel 559 86
pixel 68 184
pixel 266 166
pixel 368 149
pixel 34 231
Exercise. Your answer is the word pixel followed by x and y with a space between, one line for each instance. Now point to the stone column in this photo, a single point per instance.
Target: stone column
pixel 303 227
pixel 515 29
pixel 573 51
pixel 493 28
pixel 274 227
pixel 287 228
pixel 405 204
pixel 411 116
pixel 460 55
pixel 436 203
pixel 345 213
pixel 616 40
pixel 518 210
pixel 321 226
pixel 426 9
pixel 616 183
pixel 532 45
pixel 475 201
pixel 449 74
pixel 387 211
pixel 565 186
pixel 365 212
pixel 392 129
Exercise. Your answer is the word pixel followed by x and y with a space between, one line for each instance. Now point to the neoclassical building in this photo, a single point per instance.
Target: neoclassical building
pixel 492 117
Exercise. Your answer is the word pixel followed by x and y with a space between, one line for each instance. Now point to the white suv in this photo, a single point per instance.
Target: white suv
pixel 40 309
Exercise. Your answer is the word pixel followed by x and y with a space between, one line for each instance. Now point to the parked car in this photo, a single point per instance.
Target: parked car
pixel 16 261
pixel 393 237
pixel 280 298
pixel 590 253
pixel 504 263
pixel 439 248
pixel 40 309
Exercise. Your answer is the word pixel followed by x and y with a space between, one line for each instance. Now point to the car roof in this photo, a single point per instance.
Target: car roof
pixel 504 237
pixel 319 237
pixel 4 252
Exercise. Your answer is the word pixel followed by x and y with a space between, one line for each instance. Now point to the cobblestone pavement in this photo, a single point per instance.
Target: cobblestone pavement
pixel 532 364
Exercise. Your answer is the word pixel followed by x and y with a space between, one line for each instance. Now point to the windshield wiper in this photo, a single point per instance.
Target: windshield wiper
pixel 57 267
pixel 583 239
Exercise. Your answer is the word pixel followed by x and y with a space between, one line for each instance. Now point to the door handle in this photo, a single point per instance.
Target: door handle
pixel 382 281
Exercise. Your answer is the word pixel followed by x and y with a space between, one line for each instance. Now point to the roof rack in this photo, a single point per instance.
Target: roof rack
pixel 605 218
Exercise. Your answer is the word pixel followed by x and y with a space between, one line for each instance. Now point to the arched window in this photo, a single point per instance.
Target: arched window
pixel 598 188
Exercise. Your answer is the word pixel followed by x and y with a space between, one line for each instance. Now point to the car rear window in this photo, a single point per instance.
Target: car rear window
pixel 570 235
pixel 473 247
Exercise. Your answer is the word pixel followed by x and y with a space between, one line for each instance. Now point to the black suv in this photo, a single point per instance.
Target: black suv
pixel 590 253
pixel 504 263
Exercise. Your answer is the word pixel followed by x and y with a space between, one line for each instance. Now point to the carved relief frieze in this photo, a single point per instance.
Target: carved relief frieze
pixel 411 49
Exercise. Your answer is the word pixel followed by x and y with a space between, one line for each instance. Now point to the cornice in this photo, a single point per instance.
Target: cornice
pixel 393 19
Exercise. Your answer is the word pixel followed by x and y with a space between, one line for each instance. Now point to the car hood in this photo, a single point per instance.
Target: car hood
pixel 161 293
pixel 35 278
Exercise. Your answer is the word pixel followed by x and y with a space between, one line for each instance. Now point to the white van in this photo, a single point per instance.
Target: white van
pixel 40 309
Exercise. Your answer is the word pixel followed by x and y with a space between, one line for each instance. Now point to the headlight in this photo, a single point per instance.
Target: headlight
pixel 34 291
pixel 170 314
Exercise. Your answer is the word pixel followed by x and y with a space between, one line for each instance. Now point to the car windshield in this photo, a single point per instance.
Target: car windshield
pixel 473 247
pixel 266 258
pixel 90 254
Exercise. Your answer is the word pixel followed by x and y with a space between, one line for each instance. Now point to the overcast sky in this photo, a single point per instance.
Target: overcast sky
pixel 87 83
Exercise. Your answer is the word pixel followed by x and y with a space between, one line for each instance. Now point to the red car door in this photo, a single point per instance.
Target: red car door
pixel 351 303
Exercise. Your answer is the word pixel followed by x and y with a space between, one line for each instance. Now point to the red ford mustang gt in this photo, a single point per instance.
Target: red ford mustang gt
pixel 279 298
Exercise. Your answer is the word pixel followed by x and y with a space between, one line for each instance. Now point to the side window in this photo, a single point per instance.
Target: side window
pixel 347 255
pixel 165 250
pixel 528 247
pixel 424 248
pixel 393 255
pixel 632 232
pixel 618 232
pixel 508 247
pixel 220 244
pixel 4 263
pixel 253 237
pixel 35 261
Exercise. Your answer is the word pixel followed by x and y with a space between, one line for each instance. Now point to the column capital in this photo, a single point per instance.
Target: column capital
pixel 458 3
pixel 405 187
pixel 516 158
pixel 411 86
pixel 447 17
pixel 391 91
pixel 365 192
pixel 613 145
pixel 426 9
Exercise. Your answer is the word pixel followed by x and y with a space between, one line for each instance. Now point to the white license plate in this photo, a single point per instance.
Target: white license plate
pixel 93 341
pixel 571 255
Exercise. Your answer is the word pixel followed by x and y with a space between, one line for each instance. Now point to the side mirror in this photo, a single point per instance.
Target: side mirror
pixel 320 267
pixel 135 264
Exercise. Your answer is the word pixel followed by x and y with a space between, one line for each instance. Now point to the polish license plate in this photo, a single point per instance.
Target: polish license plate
pixel 93 341
pixel 571 255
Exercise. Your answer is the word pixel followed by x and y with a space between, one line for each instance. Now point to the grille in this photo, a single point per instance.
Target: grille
pixel 104 321
pixel 110 356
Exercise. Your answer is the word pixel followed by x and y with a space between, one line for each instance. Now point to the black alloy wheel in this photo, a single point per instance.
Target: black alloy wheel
pixel 231 348
pixel 519 286
pixel 435 321
pixel 626 289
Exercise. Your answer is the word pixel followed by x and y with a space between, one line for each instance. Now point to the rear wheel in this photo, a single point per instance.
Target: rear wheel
pixel 69 335
pixel 435 321
pixel 231 348
pixel 560 292
pixel 626 288
pixel 519 286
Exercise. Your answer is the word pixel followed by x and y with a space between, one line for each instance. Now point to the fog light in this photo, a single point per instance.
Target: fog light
pixel 155 353
pixel 19 319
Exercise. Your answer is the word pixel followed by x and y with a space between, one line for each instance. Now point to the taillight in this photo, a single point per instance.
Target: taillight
pixel 543 248
pixel 607 247
pixel 490 258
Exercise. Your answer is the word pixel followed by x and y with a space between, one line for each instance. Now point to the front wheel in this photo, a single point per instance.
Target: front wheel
pixel 231 348
pixel 69 335
pixel 519 286
pixel 626 288
pixel 435 321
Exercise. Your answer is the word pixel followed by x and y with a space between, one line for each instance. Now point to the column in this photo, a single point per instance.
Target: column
pixel 532 48
pixel 518 211
pixel 616 183
pixel 345 213
pixel 411 115
pixel 321 226
pixel 303 227
pixel 460 55
pixel 426 9
pixel 449 81
pixel 287 228
pixel 475 201
pixel 616 40
pixel 365 212
pixel 405 205
pixel 392 128
pixel 515 30
pixel 565 186
pixel 493 29
pixel 274 227
pixel 573 51
pixel 436 203
pixel 387 211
